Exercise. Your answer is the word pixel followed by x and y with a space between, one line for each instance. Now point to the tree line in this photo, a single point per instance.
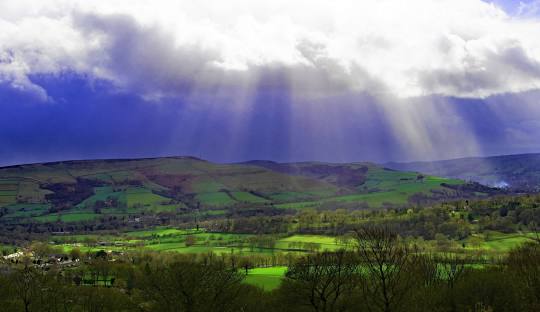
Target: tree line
pixel 381 273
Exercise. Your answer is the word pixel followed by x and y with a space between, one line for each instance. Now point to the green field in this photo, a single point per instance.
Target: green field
pixel 299 205
pixel 67 217
pixel 216 199
pixel 26 210
pixel 248 197
pixel 174 240
pixel 102 193
pixel 207 186
pixel 266 278
pixel 163 239
pixel 8 191
pixel 324 243
pixel 386 186
pixel 394 193
pixel 381 187
pixel 498 243
pixel 132 188
pixel 157 232
pixel 170 239
pixel 142 196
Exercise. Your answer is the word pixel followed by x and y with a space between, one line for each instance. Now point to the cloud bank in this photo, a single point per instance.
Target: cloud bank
pixel 458 48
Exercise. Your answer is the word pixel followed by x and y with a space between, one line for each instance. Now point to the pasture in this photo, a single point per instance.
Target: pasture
pixel 215 199
pixel 174 240
pixel 26 210
pixel 164 239
pixel 147 186
pixel 67 217
pixel 497 243
pixel 8 191
pixel 266 278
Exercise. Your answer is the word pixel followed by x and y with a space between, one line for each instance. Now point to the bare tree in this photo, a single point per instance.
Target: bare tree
pixel 535 229
pixel 323 281
pixel 385 265
pixel 190 286
pixel 24 285
pixel 450 269
pixel 524 265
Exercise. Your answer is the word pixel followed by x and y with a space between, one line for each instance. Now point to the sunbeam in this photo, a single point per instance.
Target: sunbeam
pixel 372 80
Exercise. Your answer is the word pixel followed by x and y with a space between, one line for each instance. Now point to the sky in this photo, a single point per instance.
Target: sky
pixel 283 80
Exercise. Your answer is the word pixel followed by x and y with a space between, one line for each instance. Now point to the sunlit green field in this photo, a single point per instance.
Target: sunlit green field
pixel 498 242
pixel 322 243
pixel 266 278
pixel 166 239
pixel 270 278
pixel 174 240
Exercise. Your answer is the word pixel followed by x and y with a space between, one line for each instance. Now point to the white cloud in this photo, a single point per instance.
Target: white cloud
pixel 464 48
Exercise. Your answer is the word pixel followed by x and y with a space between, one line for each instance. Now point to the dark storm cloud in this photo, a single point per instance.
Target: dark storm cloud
pixel 242 80
pixel 94 120
pixel 145 59
pixel 510 60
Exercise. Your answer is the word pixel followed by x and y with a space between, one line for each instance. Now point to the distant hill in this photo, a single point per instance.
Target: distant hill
pixel 76 191
pixel 520 172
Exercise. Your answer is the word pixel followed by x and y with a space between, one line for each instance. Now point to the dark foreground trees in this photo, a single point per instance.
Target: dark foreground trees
pixel 385 274
pixel 322 282
pixel 523 265
pixel 387 268
pixel 28 289
pixel 177 284
pixel 192 287
pixel 381 274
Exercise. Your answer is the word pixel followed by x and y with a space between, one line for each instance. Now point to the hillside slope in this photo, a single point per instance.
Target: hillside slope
pixel 74 191
pixel 520 172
